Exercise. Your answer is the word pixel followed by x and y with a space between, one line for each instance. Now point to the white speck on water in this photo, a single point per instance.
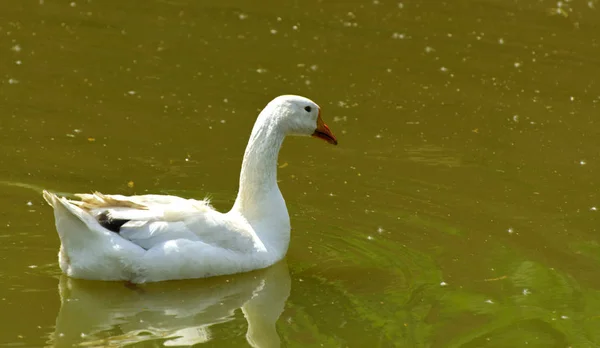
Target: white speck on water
pixel 295 27
pixel 526 292
pixel 82 335
pixel 12 81
pixel 370 237
pixel 273 31
pixel 429 49
pixel 242 16
pixel 388 70
pixel 73 4
pixel 582 162
pixel 131 92
pixel 307 82
pixel 400 5
pixel 489 301
pixel 380 230
pixel 70 135
pixel 443 284
pixel 517 64
pixel 18 62
pixel 510 230
pixel 501 41
pixel 225 100
pixel 16 48
pixel 29 203
pixel 443 69
pixel 564 317
pixel 77 130
pixel 593 209
pixel 572 98
pixel 331 194
pixel 32 266
pixel 261 70
pixel 515 118
pixel 223 121
pixel 314 67
pixel 398 36
pixel 378 136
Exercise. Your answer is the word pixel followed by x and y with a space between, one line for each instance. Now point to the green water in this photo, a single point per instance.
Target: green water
pixel 459 210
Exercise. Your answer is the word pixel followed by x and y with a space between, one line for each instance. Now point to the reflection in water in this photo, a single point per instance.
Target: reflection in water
pixel 179 313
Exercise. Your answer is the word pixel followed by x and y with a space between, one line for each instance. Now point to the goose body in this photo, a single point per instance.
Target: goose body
pixel 152 238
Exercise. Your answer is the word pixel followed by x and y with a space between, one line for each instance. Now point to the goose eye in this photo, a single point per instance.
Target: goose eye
pixel 307 108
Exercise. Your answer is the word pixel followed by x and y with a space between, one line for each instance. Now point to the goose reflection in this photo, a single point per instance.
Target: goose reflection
pixel 176 313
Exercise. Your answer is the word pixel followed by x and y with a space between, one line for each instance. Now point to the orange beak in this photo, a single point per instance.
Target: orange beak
pixel 323 132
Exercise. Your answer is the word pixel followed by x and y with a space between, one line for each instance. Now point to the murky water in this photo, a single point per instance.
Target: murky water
pixel 460 208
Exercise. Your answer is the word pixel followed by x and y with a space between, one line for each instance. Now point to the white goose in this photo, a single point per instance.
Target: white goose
pixel 152 238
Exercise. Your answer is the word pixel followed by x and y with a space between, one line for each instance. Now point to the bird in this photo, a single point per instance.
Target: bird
pixel 151 238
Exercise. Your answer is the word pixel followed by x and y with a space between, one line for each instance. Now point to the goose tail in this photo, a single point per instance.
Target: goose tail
pixel 87 249
pixel 76 227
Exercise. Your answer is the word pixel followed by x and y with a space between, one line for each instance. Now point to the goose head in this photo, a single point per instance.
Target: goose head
pixel 298 115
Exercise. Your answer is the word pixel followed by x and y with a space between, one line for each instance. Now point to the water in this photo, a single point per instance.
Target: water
pixel 460 208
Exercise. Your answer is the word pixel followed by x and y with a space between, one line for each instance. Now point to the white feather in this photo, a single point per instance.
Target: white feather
pixel 168 237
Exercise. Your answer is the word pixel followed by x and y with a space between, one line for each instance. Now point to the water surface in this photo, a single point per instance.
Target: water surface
pixel 459 210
